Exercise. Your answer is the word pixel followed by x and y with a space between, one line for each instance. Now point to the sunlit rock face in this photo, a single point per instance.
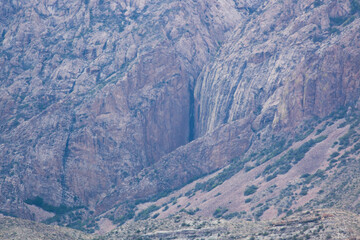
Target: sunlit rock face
pixel 289 62
pixel 102 102
pixel 94 91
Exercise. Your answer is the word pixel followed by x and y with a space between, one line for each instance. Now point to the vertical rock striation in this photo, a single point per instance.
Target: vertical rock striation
pixel 289 62
pixel 103 102
pixel 94 91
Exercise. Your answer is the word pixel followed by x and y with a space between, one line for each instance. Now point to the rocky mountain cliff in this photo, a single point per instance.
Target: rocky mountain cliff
pixel 94 91
pixel 105 104
pixel 290 62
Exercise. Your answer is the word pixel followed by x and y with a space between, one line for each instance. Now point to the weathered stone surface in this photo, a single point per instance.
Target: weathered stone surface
pixel 92 92
pixel 286 64
pixel 103 102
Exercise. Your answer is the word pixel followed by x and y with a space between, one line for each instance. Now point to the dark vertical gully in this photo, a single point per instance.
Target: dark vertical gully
pixel 191 113
pixel 65 157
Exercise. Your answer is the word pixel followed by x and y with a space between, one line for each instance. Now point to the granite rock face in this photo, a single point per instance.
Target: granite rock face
pixel 94 91
pixel 291 62
pixel 103 102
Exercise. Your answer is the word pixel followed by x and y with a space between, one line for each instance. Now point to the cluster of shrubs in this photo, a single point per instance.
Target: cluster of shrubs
pixel 39 202
pixel 219 212
pixel 250 190
pixel 145 214
pixel 238 164
pixel 292 157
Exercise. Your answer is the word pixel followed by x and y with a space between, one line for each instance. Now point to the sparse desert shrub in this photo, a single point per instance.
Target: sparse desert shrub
pixel 355 6
pixel 232 215
pixel 39 202
pixel 124 218
pixel 305 175
pixel 337 21
pixel 145 214
pixel 290 212
pixel 219 212
pixel 190 211
pixel 302 136
pixel 334 30
pixel 185 225
pixel 355 148
pixel 219 179
pixel 299 153
pixel 248 168
pixel 304 191
pixel 260 212
pixel 317 3
pixel 284 164
pixel 250 190
pixel 271 177
pixel 344 141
